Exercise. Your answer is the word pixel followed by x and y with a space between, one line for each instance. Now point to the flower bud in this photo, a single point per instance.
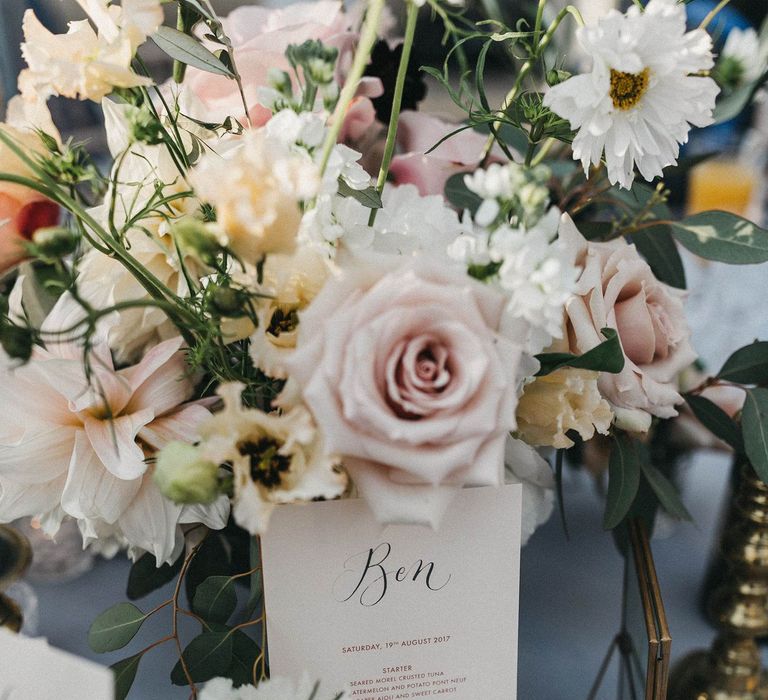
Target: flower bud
pixel 54 242
pixel 196 238
pixel 184 475
pixel 280 80
pixel 555 77
pixel 226 300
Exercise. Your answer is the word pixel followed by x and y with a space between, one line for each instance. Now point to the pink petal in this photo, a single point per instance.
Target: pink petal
pixel 114 441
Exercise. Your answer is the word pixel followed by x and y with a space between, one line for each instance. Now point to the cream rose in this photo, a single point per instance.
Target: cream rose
pixel 617 289
pixel 409 380
pixel 22 210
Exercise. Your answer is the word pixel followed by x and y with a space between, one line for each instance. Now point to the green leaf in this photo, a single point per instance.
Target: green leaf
pixel 730 106
pixel 214 558
pixel 458 194
pixel 215 599
pixel 115 627
pixel 754 423
pixel 244 654
pixel 666 492
pixel 716 420
pixel 206 656
pixel 606 357
pixel 198 7
pixel 748 365
pixel 723 237
pixel 187 49
pixel 369 197
pixel 658 247
pixel 125 674
pixel 623 480
pixel 145 576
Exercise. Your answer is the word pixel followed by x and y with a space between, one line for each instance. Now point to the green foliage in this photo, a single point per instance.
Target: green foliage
pixel 215 599
pixel 208 655
pixel 747 365
pixel 214 558
pixel 125 674
pixel 115 627
pixel 723 237
pixel 717 421
pixel 665 491
pixel 657 246
pixel 623 480
pixel 460 196
pixel 754 422
pixel 185 48
pixel 606 357
pixel 145 576
pixel 369 197
pixel 245 652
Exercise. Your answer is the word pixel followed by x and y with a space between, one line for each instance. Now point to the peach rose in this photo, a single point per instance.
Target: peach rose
pixel 618 290
pixel 22 210
pixel 260 36
pixel 410 381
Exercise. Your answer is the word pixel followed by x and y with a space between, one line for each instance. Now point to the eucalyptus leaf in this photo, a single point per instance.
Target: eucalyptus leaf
pixel 146 576
pixel 206 656
pixel 369 197
pixel 716 420
pixel 199 7
pixel 184 48
pixel 256 584
pixel 215 599
pixel 665 491
pixel 754 423
pixel 723 237
pixel 748 365
pixel 458 194
pixel 245 651
pixel 658 247
pixel 606 357
pixel 115 627
pixel 733 104
pixel 125 674
pixel 623 480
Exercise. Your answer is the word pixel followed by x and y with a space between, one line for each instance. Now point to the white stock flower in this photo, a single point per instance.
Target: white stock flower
pixel 274 458
pixel 643 94
pixel 68 448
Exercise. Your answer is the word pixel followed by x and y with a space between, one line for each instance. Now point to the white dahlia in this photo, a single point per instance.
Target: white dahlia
pixel 643 94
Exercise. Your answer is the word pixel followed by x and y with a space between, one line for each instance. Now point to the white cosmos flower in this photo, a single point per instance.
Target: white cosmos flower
pixel 78 447
pixel 642 96
pixel 744 51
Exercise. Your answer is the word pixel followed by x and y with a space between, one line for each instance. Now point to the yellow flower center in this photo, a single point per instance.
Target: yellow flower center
pixel 627 89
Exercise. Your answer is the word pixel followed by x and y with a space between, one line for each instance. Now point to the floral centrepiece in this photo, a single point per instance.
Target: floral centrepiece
pixel 294 283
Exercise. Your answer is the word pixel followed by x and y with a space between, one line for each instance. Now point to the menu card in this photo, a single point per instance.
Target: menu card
pixel 400 611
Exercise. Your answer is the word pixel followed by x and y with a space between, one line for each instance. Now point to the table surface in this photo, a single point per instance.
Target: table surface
pixel 570 590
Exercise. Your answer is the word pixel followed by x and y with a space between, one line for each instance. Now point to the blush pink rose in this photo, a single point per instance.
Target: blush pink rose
pixel 260 36
pixel 410 382
pixel 617 289
pixel 416 134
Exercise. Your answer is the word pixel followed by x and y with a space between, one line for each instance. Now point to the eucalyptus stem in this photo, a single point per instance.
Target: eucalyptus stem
pixel 397 101
pixel 528 66
pixel 362 55
pixel 713 13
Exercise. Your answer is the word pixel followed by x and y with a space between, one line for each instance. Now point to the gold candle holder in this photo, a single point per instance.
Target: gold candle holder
pixel 15 558
pixel 738 606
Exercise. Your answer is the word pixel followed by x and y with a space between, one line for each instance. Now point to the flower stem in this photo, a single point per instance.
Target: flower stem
pixel 363 53
pixel 528 66
pixel 713 13
pixel 405 58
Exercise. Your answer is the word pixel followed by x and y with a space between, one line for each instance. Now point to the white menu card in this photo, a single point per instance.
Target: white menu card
pixel 397 611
